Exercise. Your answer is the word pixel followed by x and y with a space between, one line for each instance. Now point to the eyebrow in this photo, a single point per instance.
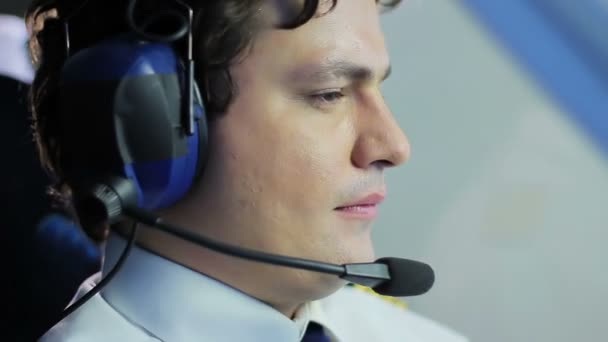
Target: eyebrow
pixel 338 70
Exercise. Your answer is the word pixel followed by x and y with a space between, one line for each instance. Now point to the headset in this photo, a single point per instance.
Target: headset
pixel 131 108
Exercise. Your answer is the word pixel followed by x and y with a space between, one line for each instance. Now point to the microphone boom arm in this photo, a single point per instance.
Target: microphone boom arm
pixel 367 274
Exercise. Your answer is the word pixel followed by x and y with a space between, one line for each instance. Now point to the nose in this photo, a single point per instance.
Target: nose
pixel 380 141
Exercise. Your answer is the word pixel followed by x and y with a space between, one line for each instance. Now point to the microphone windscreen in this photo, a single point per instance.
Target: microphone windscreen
pixel 408 278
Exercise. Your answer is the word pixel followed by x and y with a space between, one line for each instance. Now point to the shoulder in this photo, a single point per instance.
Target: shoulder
pixel 13 39
pixel 357 313
pixel 96 321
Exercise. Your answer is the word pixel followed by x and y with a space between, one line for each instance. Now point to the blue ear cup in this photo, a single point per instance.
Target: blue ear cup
pixel 121 103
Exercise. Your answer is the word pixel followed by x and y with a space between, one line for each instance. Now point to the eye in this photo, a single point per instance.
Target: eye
pixel 326 97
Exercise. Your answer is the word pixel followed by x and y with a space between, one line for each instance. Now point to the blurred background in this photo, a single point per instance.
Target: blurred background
pixel 506 193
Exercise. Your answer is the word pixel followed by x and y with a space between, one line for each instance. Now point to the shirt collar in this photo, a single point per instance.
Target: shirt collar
pixel 13 49
pixel 313 312
pixel 175 303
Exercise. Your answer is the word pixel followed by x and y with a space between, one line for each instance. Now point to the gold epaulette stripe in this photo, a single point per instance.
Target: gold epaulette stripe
pixel 392 300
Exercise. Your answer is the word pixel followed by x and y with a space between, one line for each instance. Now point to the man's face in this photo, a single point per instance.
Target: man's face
pixel 306 139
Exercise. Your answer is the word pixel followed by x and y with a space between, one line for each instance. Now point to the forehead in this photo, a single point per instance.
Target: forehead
pixel 350 31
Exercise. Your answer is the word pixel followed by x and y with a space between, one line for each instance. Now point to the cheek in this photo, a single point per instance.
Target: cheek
pixel 289 161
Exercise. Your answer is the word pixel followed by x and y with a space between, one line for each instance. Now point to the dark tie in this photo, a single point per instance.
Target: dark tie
pixel 315 333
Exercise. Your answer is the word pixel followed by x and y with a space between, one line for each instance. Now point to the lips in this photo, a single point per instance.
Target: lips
pixel 363 208
pixel 369 200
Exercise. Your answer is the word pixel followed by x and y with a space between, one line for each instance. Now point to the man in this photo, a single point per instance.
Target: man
pixel 297 152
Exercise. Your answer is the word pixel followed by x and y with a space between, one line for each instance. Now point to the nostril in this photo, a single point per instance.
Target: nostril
pixel 384 163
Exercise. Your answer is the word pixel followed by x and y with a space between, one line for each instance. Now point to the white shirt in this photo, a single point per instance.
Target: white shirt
pixel 14 58
pixel 154 299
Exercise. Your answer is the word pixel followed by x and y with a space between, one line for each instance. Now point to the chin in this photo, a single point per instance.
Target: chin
pixel 325 286
pixel 320 285
pixel 351 248
pixel 353 243
pixel 359 250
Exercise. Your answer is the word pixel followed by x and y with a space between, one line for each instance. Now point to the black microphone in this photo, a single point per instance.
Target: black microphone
pixel 408 278
pixel 387 276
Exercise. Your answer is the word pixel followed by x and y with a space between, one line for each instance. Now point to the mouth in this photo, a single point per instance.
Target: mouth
pixel 365 212
pixel 365 208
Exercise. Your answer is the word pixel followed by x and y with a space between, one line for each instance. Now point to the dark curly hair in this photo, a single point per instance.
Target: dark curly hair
pixel 223 31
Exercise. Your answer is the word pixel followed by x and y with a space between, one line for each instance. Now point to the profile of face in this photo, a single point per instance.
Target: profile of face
pixel 296 163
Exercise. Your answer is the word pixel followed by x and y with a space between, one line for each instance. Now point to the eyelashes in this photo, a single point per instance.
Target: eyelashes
pixel 326 98
pixel 333 98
